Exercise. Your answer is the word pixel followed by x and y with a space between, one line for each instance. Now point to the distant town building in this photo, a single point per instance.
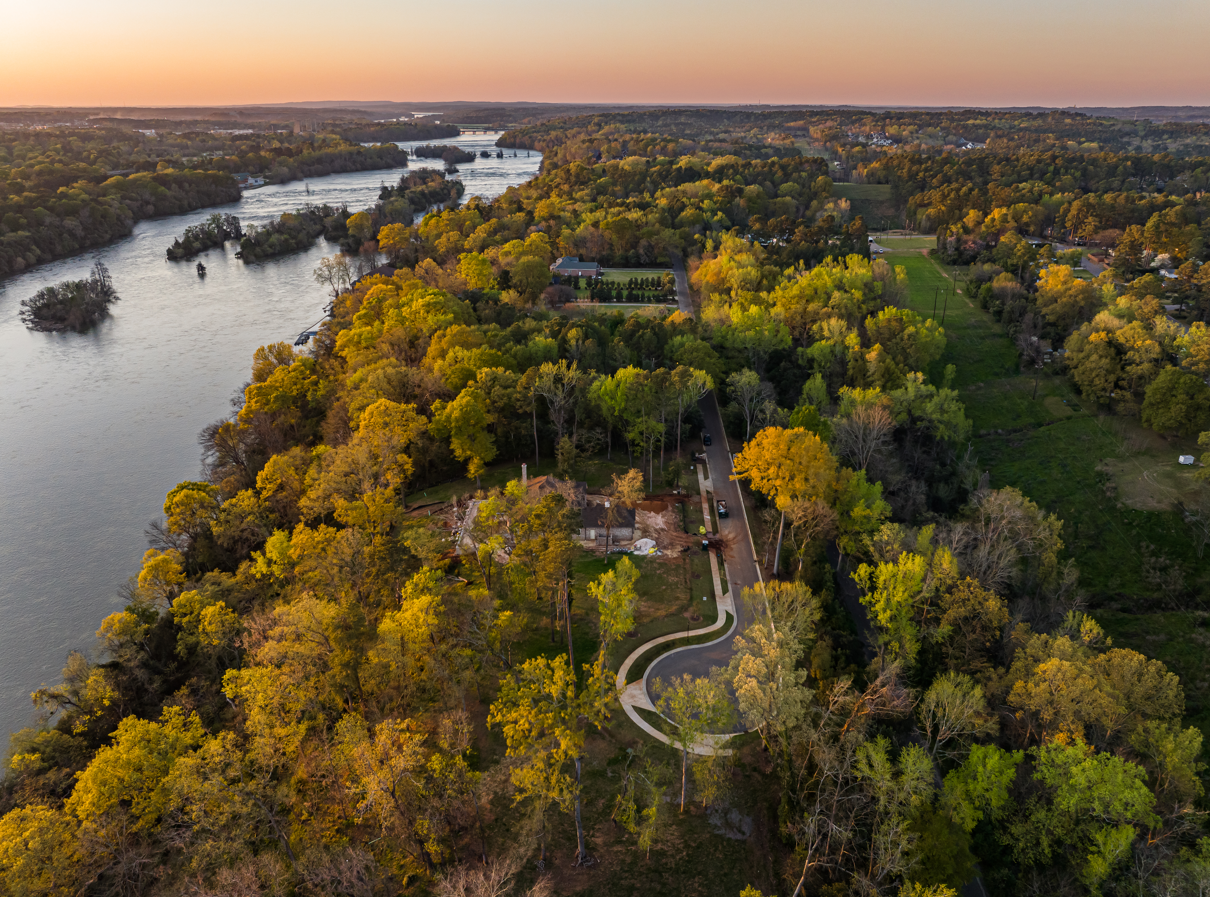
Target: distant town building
pixel 570 266
pixel 247 181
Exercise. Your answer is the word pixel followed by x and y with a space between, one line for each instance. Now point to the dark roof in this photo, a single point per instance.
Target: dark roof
pixel 572 262
pixel 594 515
pixel 381 271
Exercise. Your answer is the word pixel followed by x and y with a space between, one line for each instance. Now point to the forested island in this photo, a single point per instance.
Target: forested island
pixel 210 234
pixel 71 305
pixel 367 652
pixel 450 155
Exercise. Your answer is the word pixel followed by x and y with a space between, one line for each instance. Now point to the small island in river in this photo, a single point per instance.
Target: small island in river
pixel 71 305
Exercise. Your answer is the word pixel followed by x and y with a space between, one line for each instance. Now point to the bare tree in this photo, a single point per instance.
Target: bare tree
pixel 862 434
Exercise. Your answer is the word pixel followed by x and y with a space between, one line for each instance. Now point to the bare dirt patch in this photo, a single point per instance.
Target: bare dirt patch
pixel 1147 484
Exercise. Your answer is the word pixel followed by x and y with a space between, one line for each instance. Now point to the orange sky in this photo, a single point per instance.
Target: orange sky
pixel 926 52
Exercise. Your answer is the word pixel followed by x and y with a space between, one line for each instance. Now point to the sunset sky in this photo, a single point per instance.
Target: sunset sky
pixel 925 52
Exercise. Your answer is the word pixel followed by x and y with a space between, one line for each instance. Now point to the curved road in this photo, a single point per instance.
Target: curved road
pixel 741 567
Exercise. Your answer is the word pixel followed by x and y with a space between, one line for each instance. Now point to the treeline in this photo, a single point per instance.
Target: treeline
pixel 65 190
pixel 326 155
pixel 853 136
pixel 212 233
pixel 41 227
pixel 397 131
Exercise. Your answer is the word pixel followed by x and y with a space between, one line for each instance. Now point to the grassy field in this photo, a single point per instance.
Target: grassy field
pixel 871 201
pixel 646 309
pixel 896 242
pixel 1111 482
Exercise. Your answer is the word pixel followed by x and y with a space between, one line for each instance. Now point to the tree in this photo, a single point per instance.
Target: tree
pixel 133 771
pixel 360 225
pixel 1177 402
pixel 1064 300
pixel 952 712
pixel 530 276
pixel 1091 808
pixel 614 593
pixel 466 422
pixel 40 854
pixel 788 466
pixel 696 706
pixel 559 384
pixel 980 786
pixel 689 385
pixel 335 273
pixel 625 493
pixel 476 270
pixel 545 720
pixel 769 686
pixel 1131 250
pixel 748 391
pixel 863 433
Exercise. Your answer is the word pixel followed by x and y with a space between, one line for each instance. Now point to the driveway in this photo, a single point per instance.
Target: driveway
pixel 740 560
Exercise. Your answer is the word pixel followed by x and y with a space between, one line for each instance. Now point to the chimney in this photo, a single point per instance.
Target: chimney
pixel 524 474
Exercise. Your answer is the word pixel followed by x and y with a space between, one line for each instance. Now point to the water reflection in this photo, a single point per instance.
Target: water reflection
pixel 96 427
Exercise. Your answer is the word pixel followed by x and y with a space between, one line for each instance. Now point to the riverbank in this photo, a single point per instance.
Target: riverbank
pixel 98 426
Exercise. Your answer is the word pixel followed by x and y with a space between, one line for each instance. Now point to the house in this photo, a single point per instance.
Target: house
pixel 380 271
pixel 247 181
pixel 593 525
pixel 571 266
pixel 576 492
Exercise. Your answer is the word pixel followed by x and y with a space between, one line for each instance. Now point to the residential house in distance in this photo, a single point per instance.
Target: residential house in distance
pixel 247 181
pixel 571 266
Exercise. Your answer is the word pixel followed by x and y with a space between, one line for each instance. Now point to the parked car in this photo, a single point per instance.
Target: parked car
pixel 705 439
pixel 722 509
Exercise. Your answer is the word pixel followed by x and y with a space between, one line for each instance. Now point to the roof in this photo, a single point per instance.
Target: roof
pixel 566 262
pixel 381 271
pixel 575 492
pixel 594 515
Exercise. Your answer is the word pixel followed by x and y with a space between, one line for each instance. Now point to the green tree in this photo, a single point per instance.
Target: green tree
pixel 545 719
pixel 1177 402
pixel 697 706
pixel 614 594
pixel 466 422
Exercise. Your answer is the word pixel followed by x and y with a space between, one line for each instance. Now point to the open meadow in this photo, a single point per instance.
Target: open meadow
pixel 1116 486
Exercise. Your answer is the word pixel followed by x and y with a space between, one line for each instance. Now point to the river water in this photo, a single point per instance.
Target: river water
pixel 95 428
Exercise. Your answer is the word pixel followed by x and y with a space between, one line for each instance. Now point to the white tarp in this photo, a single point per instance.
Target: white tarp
pixel 644 547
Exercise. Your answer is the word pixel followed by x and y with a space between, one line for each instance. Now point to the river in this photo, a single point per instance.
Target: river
pixel 96 427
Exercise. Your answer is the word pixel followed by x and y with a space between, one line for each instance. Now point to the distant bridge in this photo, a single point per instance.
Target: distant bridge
pixel 478 129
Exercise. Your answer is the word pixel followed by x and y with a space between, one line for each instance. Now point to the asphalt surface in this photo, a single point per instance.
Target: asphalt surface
pixel 739 561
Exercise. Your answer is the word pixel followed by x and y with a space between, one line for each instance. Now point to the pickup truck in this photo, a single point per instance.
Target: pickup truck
pixel 722 509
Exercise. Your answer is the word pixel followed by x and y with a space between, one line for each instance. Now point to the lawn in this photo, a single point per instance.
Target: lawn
pixel 624 274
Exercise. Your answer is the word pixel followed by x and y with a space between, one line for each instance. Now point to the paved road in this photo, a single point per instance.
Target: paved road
pixel 740 561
